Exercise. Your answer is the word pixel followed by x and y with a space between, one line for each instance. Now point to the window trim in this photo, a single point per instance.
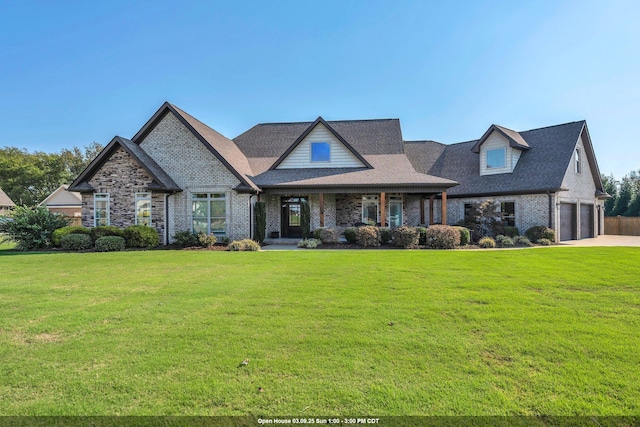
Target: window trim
pixel 138 198
pixel 503 217
pixel 316 144
pixel 208 199
pixel 504 158
pixel 370 198
pixel 578 160
pixel 101 197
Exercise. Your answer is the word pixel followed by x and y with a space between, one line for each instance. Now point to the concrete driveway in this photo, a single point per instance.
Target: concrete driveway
pixel 607 240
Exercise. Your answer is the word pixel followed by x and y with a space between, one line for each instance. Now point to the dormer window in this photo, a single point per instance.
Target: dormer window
pixel 496 158
pixel 578 161
pixel 320 152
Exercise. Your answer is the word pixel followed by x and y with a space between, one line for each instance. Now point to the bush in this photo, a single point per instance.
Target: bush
pixel 423 235
pixel 465 235
pixel 540 232
pixel 309 243
pixel 326 235
pixel 76 242
pixel 57 234
pixel 106 230
pixel 186 239
pixel 207 240
pixel 510 231
pixel 224 241
pixel 504 241
pixel 351 234
pixel 245 245
pixel 141 236
pixel 442 237
pixel 406 237
pixel 545 242
pixel 368 235
pixel 522 241
pixel 385 235
pixel 487 242
pixel 110 244
pixel 31 228
pixel 260 213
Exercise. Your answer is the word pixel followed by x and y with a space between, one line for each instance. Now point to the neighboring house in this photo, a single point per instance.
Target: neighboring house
pixel 68 203
pixel 178 174
pixel 6 204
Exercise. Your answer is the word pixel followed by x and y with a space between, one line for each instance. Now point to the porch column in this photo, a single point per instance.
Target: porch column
pixel 421 210
pixel 321 200
pixel 383 211
pixel 431 201
pixel 443 208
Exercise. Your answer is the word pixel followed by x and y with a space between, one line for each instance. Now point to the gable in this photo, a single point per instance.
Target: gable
pixel 494 143
pixel 62 197
pixel 587 182
pixel 340 155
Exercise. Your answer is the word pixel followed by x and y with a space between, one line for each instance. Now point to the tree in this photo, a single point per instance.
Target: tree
pixel 28 178
pixel 611 187
pixel 625 193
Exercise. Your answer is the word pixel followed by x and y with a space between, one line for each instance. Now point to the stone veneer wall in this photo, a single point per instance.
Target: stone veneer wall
pixel 196 170
pixel 122 177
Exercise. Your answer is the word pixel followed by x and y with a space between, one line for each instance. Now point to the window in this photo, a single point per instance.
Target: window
pixel 395 211
pixel 496 158
pixel 370 210
pixel 101 209
pixel 320 152
pixel 508 210
pixel 578 161
pixel 209 213
pixel 143 209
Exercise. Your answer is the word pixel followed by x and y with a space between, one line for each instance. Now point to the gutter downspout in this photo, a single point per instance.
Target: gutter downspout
pixel 166 218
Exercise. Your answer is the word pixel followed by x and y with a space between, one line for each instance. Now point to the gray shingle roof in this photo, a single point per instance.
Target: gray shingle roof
pixel 542 168
pixel 5 201
pixel 367 137
pixel 390 169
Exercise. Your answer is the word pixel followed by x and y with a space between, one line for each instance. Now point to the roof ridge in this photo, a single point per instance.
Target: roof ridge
pixel 552 126
pixel 328 121
pixel 423 141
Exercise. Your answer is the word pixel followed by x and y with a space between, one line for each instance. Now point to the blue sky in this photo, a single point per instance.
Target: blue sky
pixel 76 72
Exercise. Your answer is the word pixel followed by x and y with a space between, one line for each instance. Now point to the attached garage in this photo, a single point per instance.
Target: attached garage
pixel 568 221
pixel 586 221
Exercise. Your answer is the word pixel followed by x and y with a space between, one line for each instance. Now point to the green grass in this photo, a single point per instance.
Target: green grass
pixel 542 331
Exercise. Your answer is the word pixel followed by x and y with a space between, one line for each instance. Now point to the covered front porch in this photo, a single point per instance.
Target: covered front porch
pixel 343 208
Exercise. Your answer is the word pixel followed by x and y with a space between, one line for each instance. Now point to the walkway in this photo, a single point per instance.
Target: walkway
pixel 607 240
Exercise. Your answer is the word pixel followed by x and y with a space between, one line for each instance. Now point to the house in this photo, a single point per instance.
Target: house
pixel 178 174
pixel 68 203
pixel 6 204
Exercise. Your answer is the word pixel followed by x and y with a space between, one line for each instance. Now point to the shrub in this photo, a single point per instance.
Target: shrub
pixel 260 221
pixel 76 242
pixel 186 238
pixel 326 235
pixel 545 242
pixel 368 235
pixel 309 243
pixel 510 231
pixel 305 220
pixel 141 236
pixel 522 241
pixel 442 237
pixel 465 235
pixel 57 234
pixel 245 245
pixel 487 242
pixel 385 235
pixel 423 235
pixel 106 230
pixel 224 241
pixel 207 240
pixel 504 241
pixel 483 218
pixel 110 244
pixel 540 232
pixel 406 237
pixel 31 228
pixel 351 234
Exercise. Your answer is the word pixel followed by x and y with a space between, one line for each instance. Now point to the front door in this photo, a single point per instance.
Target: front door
pixel 290 216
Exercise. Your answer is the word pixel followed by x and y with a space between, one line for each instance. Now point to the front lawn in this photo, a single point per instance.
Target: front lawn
pixel 538 331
